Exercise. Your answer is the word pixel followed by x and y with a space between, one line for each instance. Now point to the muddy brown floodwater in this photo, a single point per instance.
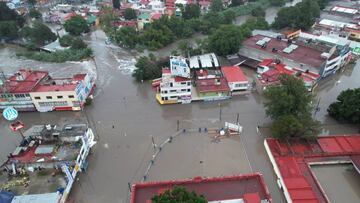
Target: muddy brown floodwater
pixel 123 152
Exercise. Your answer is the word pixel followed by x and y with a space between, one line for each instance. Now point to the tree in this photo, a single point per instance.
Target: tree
pixel 66 40
pixel 300 16
pixel 38 34
pixel 184 47
pixel 32 2
pixel 191 11
pixel 277 2
pixel 229 16
pixel 126 36
pixel 116 4
pixel 35 14
pixel 8 30
pixel 7 14
pixel 347 106
pixel 226 40
pixel 76 25
pixel 107 17
pixel 258 12
pixel 236 2
pixel 289 105
pixel 130 14
pixel 147 69
pixel 216 5
pixel 178 195
pixel 78 43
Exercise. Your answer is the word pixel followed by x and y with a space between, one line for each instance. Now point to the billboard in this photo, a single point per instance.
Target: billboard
pixel 179 67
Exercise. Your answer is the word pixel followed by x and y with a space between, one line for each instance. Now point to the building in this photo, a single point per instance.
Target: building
pixel 237 81
pixel 63 94
pixel 269 71
pixel 293 161
pixel 211 89
pixel 173 89
pixel 15 90
pixel 29 90
pixel 41 162
pixel 205 61
pixel 342 10
pixel 248 188
pixel 308 54
pixel 143 19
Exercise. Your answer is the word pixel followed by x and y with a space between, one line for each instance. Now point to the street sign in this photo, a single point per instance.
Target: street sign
pixel 10 113
pixel 356 50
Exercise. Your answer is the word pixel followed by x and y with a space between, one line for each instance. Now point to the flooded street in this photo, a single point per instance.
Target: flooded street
pixel 333 177
pixel 123 152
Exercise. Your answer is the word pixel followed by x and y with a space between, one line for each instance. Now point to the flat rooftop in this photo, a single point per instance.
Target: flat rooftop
pixel 212 85
pixel 301 54
pixel 294 158
pixel 213 189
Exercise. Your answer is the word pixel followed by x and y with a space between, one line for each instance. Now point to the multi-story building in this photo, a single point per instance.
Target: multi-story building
pixel 175 85
pixel 29 90
pixel 173 89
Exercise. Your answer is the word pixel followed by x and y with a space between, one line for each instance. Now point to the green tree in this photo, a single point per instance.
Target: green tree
pixel 77 43
pixel 32 2
pixel 7 14
pixel 301 16
pixel 35 14
pixel 236 2
pixel 76 25
pixel 39 34
pixel 116 4
pixel 216 5
pixel 8 30
pixel 289 105
pixel 229 16
pixel 178 195
pixel 191 11
pixel 130 14
pixel 66 40
pixel 258 12
pixel 347 106
pixel 147 69
pixel 126 36
pixel 277 2
pixel 226 40
pixel 184 47
pixel 107 17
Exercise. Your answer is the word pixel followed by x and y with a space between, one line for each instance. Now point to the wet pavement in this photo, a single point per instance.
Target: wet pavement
pixel 123 152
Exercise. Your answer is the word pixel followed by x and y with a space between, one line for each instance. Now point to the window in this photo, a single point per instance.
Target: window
pixel 71 96
pixel 59 97
pixel 189 90
pixel 37 98
pixel 48 97
pixel 27 95
pixel 183 90
pixel 183 83
pixel 172 90
pixel 171 84
pixel 173 97
pixel 58 103
pixel 188 83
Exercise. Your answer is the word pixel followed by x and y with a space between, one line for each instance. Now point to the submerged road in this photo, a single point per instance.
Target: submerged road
pixel 122 153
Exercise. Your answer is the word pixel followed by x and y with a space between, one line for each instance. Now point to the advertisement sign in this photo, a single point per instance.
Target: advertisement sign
pixel 356 50
pixel 10 113
pixel 179 67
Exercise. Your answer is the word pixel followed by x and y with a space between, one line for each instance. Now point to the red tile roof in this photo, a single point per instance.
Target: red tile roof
pixel 234 74
pixel 30 79
pixel 251 187
pixel 55 88
pixel 181 79
pixel 209 85
pixel 156 16
pixel 302 54
pixel 293 158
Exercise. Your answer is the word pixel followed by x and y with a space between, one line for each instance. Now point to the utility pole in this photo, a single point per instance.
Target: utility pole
pixel 220 111
pixel 237 119
pixel 153 143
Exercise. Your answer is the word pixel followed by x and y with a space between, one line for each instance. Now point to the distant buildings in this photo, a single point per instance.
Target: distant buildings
pixel 29 90
pixel 249 188
pixel 269 71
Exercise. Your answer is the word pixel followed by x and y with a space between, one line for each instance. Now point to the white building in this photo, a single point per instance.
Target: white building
pixel 173 89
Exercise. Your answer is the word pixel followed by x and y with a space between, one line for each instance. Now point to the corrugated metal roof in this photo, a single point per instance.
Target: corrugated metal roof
pixel 38 198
